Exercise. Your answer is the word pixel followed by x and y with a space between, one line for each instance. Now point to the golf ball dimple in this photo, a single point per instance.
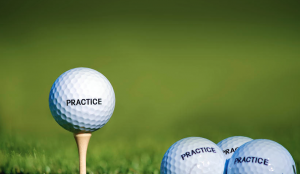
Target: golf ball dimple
pixel 261 156
pixel 230 145
pixel 193 155
pixel 82 100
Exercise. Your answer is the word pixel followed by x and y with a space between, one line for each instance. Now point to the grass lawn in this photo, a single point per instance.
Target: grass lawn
pixel 209 73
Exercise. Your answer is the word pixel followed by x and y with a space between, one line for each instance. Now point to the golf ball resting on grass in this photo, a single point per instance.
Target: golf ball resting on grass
pixel 193 155
pixel 230 145
pixel 82 101
pixel 261 156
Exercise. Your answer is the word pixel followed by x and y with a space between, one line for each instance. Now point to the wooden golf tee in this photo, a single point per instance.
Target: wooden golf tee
pixel 82 140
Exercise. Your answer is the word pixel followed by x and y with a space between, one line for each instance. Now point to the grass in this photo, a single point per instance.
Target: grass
pixel 212 72
pixel 58 157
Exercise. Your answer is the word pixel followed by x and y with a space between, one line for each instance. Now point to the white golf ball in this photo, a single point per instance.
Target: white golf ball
pixel 82 100
pixel 193 155
pixel 230 145
pixel 261 156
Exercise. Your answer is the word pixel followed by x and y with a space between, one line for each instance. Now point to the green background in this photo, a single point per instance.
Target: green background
pixel 212 69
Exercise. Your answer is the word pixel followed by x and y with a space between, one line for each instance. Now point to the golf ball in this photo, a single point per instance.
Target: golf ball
pixel 82 100
pixel 193 155
pixel 261 156
pixel 230 145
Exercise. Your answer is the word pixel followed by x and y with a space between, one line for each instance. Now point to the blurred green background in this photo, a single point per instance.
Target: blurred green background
pixel 212 69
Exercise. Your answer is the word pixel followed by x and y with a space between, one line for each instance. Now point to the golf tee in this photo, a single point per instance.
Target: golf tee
pixel 82 140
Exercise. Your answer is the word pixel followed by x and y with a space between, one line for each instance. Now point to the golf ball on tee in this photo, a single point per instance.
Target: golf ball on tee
pixel 261 156
pixel 193 155
pixel 230 145
pixel 82 100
